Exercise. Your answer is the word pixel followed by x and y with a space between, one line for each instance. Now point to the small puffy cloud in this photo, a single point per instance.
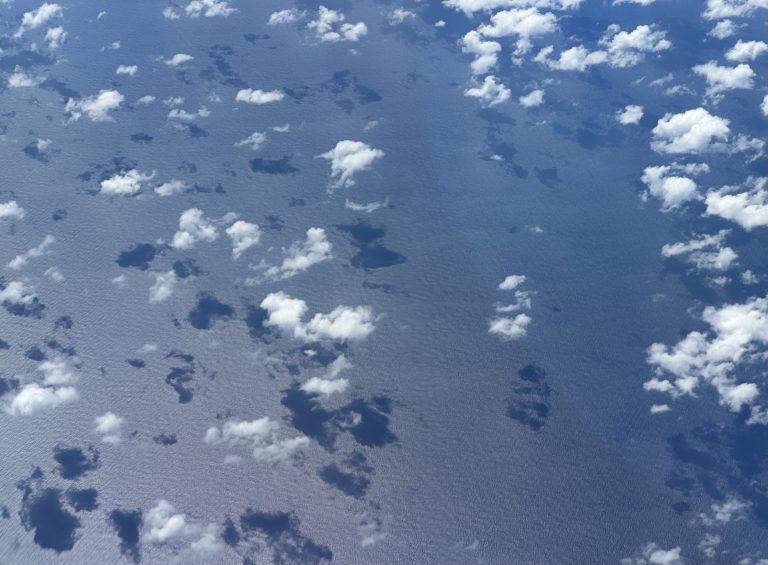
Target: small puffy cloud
pixel 163 287
pixel 469 7
pixel 723 30
pixel 147 99
pixel 512 282
pixel 190 540
pixel 325 387
pixel 349 158
pixel 173 186
pixel 302 255
pixel 577 58
pixel 20 261
pixel 626 49
pixel 283 17
pixel 485 52
pixel 96 108
pixel 368 208
pixel 244 235
pixel 36 18
pixel 706 252
pixel 185 116
pixel 254 141
pixel 129 70
pixel 261 436
pixel 19 79
pixel 510 328
pixel 639 2
pixel 523 23
pixel 630 115
pixel 672 183
pixel 692 131
pixel 55 37
pixel 330 26
pixel 208 8
pixel 193 228
pixel 748 208
pixel 745 51
pixel 178 59
pixel 125 183
pixel 652 554
pixel 399 15
pixel 11 210
pixel 162 523
pixel 258 96
pixel 764 105
pixel 720 9
pixel 343 324
pixel 532 99
pixel 33 398
pixel 16 292
pixel 109 426
pixel 490 93
pixel 724 513
pixel 720 79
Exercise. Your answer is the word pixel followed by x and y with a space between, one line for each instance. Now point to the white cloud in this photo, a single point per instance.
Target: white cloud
pixel 706 252
pixel 19 79
pixel 12 210
pixel 16 292
pixel 764 105
pixel 748 208
pixel 343 323
pixel 660 408
pixel 485 52
pixel 125 183
pixel 720 79
pixel 400 15
pixel 577 58
pixel 109 426
pixel 185 116
pixel 512 282
pixel 162 523
pixel 626 49
pixel 723 30
pixel 630 115
pixel 471 6
pixel 652 554
pixel 179 59
pixel 692 131
pixel 173 186
pixel 193 228
pixel 97 107
pixel 724 513
pixel 510 328
pixel 283 17
pixel 254 141
pixel 325 387
pixel 524 23
pixel 208 8
pixel 36 18
pixel 244 235
pixel 532 99
pixel 673 189
pixel 163 287
pixel 349 158
pixel 147 99
pixel 55 37
pixel 300 256
pixel 719 9
pixel 258 96
pixel 746 51
pixel 490 92
pixel 261 436
pixel 639 2
pixel 54 274
pixel 32 398
pixel 130 70
pixel 20 261
pixel 368 208
pixel 330 25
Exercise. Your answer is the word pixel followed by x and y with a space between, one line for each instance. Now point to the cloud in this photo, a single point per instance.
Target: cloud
pixel 724 513
pixel 748 208
pixel 720 79
pixel 512 282
pixel 577 58
pixel 19 79
pixel 55 37
pixel 283 17
pixel 524 23
pixel 719 9
pixel 723 30
pixel 349 158
pixel 178 59
pixel 185 116
pixel 630 115
pixel 692 131
pixel 129 70
pixel 330 26
pixel 244 235
pixel 745 51
pixel 54 390
pixel 16 292
pixel 20 261
pixel 673 189
pixel 109 426
pixel 251 96
pixel 490 92
pixel 342 324
pixel 300 256
pixel 171 187
pixel 36 18
pixel 485 52
pixel 162 523
pixel 734 337
pixel 209 8
pixel 400 15
pixel 368 208
pixel 96 108
pixel 325 387
pixel 125 183
pixel 261 436
pixel 469 7
pixel 11 210
pixel 193 228
pixel 510 328
pixel 163 287
pixel 652 554
pixel 532 99
pixel 255 140
pixel 707 252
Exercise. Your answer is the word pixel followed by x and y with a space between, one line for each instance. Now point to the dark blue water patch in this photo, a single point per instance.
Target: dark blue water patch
pixel 548 177
pixel 42 511
pixel 180 378
pixel 370 421
pixel 592 135
pixel 192 130
pixel 345 83
pixel 141 138
pixel 32 309
pixel 75 462
pixel 60 88
pixel 56 345
pixel 207 311
pixel 297 202
pixel 139 255
pixel 136 363
pixel 4 344
pixel 350 477
pixel 127 525
pixel 35 353
pixel 229 533
pixel 5 513
pixel 681 507
pixel 185 268
pixel 7 385
pixel 282 166
pixel 59 214
pixel 218 188
pixel 180 355
pixel 386 287
pixel 25 59
pixel 100 171
pixel 63 322
pixel 309 417
pixel 282 533
pixel 371 254
pixel 273 222
pixel 33 152
pixel 83 500
pixel 529 403
pixel 165 439
pixel 255 319
pixel 255 38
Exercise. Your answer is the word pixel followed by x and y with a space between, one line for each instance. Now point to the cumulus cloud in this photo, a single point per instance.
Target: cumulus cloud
pixel 745 51
pixel 20 261
pixel 109 426
pixel 748 208
pixel 486 52
pixel 706 252
pixel 125 183
pixel 251 96
pixel 54 390
pixel 330 25
pixel 162 523
pixel 173 186
pixel 96 108
pixel 254 141
pixel 469 7
pixel 735 335
pixel 490 93
pixel 11 210
pixel 653 554
pixel 723 30
pixel 667 183
pixel 368 208
pixel 283 17
pixel 532 99
pixel 36 18
pixel 244 235
pixel 185 116
pixel 577 58
pixel 208 8
pixel 261 436
pixel 720 9
pixel 343 323
pixel 630 115
pixel 720 79
pixel 510 328
pixel 19 79
pixel 523 23
pixel 692 131
pixel 163 287
pixel 178 59
pixel 16 292
pixel 300 256
pixel 329 384
pixel 349 158
pixel 129 70
pixel 193 228
pixel 55 37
